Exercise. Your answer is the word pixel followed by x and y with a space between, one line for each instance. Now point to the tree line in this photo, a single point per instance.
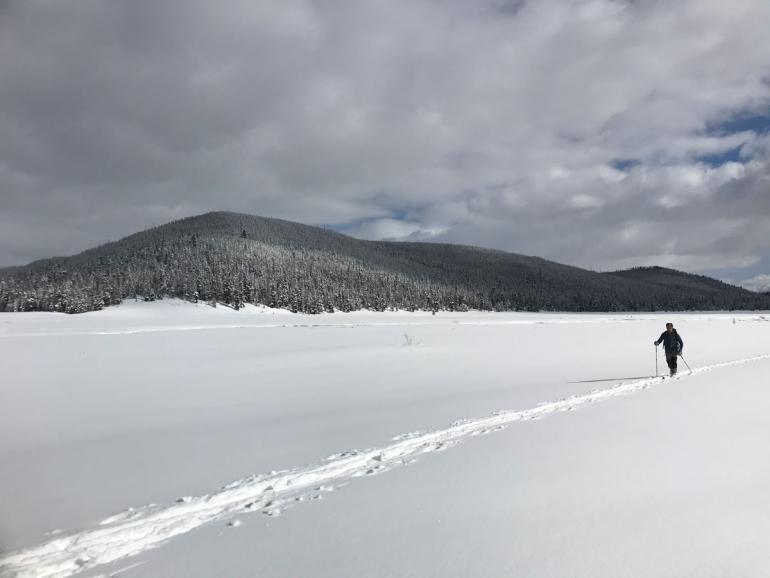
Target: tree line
pixel 236 259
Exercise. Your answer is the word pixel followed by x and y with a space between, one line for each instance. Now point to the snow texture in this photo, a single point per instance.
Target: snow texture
pixel 121 537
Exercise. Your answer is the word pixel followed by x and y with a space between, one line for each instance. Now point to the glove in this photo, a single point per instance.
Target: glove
pixel 655 343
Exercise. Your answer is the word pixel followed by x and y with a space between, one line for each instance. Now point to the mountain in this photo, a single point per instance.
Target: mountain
pixel 684 283
pixel 235 259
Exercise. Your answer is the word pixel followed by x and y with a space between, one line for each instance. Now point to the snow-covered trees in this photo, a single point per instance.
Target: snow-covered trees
pixel 236 259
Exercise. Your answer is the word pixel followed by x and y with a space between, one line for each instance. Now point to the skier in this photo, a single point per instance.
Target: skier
pixel 673 345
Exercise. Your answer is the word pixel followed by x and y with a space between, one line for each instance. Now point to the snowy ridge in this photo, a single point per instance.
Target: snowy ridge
pixel 139 529
pixel 280 325
pixel 360 324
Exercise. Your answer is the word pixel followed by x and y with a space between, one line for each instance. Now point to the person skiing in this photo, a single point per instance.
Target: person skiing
pixel 673 345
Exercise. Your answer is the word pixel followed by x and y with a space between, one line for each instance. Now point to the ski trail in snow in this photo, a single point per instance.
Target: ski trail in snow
pixel 139 529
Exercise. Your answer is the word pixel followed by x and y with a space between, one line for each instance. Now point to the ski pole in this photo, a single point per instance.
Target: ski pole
pixel 656 361
pixel 688 366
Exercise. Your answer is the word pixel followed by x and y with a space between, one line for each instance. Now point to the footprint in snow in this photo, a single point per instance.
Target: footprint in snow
pixel 370 471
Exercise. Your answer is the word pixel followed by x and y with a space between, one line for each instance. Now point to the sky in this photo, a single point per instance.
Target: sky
pixel 604 134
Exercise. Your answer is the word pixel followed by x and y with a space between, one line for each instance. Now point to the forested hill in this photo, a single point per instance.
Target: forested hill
pixel 235 259
pixel 685 283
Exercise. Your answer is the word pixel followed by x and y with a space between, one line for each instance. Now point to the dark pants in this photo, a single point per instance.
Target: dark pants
pixel 671 360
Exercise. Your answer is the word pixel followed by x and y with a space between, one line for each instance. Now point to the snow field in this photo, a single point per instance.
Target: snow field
pixel 348 381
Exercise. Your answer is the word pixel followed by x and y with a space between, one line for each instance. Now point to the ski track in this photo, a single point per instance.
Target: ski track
pixel 139 529
pixel 351 325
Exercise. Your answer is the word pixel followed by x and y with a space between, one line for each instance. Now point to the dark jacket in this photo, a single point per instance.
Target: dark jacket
pixel 671 341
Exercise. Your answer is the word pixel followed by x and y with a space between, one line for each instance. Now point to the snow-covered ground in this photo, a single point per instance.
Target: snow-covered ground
pixel 168 439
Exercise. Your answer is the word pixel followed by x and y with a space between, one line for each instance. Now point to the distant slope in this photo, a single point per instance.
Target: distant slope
pixel 234 258
pixel 671 278
pixel 695 286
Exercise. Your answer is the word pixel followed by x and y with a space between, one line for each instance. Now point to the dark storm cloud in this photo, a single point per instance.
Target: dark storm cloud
pixel 594 132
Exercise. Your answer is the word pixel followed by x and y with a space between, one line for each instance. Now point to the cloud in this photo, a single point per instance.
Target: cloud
pixel 757 283
pixel 392 230
pixel 601 133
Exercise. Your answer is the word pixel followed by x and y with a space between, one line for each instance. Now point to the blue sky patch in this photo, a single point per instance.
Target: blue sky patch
pixel 624 164
pixel 758 123
pixel 732 155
